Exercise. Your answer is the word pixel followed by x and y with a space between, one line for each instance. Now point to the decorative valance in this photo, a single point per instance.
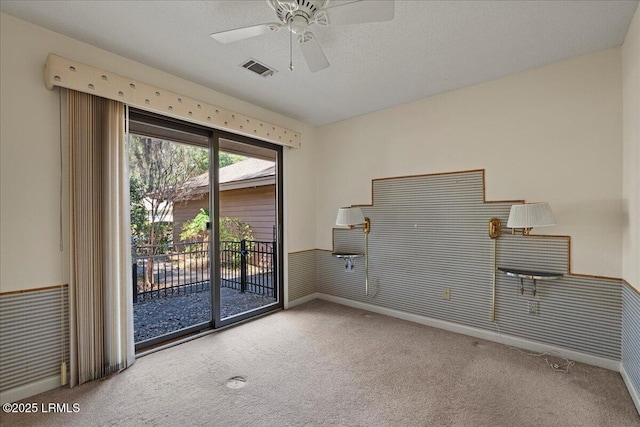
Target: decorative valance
pixel 74 75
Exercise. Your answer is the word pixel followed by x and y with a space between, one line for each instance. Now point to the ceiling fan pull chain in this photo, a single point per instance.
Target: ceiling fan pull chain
pixel 290 50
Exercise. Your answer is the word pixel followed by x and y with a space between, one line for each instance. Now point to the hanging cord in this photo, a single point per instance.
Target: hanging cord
pixel 61 170
pixel 366 268
pixel 126 124
pixel 366 263
pixel 493 292
pixel 290 49
pixel 563 367
pixel 63 365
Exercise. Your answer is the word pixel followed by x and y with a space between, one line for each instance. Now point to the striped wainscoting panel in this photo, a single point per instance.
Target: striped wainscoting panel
pixel 302 274
pixel 431 232
pixel 34 330
pixel 578 313
pixel 539 253
pixel 631 337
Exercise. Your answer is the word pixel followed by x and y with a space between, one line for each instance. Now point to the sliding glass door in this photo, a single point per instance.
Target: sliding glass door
pixel 249 214
pixel 169 164
pixel 206 224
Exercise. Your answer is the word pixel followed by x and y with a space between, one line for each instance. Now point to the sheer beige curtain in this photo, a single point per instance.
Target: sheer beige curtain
pixel 100 252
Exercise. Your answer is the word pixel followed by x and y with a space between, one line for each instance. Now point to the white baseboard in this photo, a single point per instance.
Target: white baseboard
pixel 28 390
pixel 613 365
pixel 302 300
pixel 635 396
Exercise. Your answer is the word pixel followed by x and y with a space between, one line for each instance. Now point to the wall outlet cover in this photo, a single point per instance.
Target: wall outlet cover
pixel 349 265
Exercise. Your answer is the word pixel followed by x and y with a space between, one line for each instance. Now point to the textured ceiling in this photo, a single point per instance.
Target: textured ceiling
pixel 429 47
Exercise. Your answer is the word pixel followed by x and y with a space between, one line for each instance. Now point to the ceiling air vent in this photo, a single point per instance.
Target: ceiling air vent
pixel 257 67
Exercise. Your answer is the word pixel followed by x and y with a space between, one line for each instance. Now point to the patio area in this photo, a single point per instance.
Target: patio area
pixel 172 286
pixel 157 316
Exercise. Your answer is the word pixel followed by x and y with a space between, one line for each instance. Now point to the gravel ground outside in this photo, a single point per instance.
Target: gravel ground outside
pixel 158 316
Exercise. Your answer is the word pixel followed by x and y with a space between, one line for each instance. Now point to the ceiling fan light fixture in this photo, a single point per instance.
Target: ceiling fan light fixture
pixel 287 5
pixel 298 25
pixel 299 15
pixel 286 9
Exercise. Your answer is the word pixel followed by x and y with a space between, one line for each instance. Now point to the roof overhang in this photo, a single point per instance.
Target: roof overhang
pixel 248 183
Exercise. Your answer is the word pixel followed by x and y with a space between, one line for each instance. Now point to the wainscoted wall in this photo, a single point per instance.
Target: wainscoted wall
pixel 302 274
pixel 577 312
pixel 631 341
pixel 431 232
pixel 34 333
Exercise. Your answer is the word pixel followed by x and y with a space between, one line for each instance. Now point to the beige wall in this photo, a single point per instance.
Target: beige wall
pixel 631 153
pixel 549 134
pixel 552 133
pixel 29 247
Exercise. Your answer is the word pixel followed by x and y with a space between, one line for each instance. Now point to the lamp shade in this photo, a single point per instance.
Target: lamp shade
pixel 349 216
pixel 530 215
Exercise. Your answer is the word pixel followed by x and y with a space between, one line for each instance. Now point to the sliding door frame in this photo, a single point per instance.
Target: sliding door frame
pixel 160 126
pixel 218 322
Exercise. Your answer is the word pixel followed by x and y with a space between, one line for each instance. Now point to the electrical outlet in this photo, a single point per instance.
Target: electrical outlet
pixel 533 307
pixel 349 265
pixel 446 293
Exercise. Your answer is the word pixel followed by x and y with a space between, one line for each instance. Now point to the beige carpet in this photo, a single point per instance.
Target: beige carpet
pixel 322 364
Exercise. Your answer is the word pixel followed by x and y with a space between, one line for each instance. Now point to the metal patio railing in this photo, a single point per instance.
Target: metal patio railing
pixel 179 269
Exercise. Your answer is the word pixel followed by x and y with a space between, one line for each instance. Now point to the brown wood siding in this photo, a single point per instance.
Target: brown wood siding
pixel 256 206
pixel 184 211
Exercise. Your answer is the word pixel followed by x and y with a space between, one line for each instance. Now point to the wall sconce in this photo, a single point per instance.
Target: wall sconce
pixel 530 215
pixel 353 218
pixel 525 217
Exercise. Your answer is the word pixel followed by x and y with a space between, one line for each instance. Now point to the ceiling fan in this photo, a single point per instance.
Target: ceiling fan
pixel 298 15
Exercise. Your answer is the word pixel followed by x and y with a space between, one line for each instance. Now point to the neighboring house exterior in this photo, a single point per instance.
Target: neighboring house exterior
pixel 164 210
pixel 247 192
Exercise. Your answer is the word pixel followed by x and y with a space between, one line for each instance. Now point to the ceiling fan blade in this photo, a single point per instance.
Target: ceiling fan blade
pixel 360 12
pixel 245 32
pixel 312 52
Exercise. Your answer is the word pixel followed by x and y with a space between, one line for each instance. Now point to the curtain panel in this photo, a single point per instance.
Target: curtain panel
pixel 101 310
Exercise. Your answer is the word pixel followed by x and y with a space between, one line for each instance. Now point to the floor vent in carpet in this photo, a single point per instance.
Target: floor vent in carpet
pixel 236 382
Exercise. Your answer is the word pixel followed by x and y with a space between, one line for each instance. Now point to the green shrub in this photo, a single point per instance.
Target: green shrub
pixel 231 229
pixel 196 228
